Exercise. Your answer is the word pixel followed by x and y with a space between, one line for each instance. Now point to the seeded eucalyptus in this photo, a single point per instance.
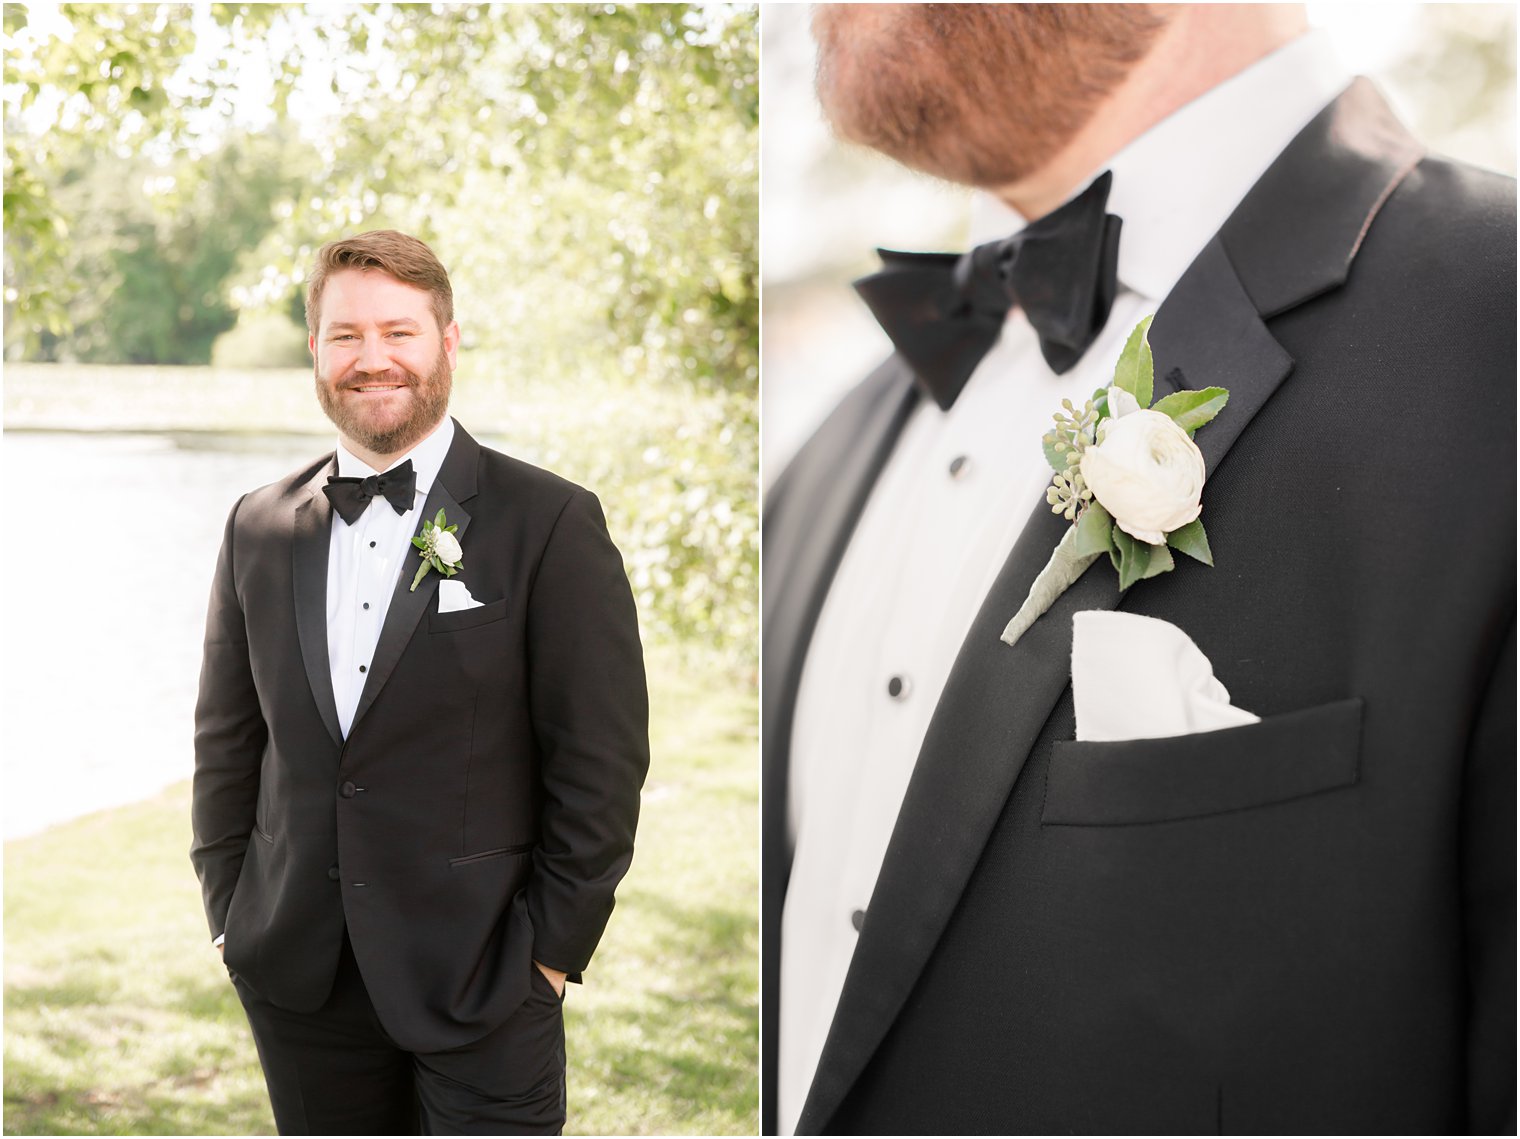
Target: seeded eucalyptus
pixel 1068 493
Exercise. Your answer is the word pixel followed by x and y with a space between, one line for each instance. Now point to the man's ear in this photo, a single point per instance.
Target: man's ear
pixel 451 343
pixel 311 346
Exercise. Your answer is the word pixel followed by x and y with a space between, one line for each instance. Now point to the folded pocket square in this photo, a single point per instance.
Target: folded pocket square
pixel 454 596
pixel 1135 677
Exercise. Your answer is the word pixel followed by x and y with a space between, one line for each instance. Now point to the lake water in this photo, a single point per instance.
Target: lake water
pixel 112 539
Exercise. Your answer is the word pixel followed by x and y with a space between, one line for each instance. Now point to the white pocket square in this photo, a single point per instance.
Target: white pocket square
pixel 454 596
pixel 1135 677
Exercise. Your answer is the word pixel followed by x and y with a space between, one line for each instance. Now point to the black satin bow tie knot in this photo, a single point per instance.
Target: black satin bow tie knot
pixel 351 497
pixel 944 312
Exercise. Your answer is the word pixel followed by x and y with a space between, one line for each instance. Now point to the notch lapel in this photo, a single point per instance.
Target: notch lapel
pixel 1210 330
pixel 455 485
pixel 308 574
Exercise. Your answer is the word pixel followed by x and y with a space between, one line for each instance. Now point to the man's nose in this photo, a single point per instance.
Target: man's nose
pixel 373 356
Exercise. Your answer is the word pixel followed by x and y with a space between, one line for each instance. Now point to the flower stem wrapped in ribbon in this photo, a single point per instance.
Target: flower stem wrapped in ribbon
pixel 1128 477
pixel 439 549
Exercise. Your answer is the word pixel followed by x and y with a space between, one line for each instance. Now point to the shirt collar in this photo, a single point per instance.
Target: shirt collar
pixel 1176 184
pixel 427 458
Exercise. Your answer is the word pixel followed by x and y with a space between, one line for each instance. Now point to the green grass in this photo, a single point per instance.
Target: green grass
pixel 119 1019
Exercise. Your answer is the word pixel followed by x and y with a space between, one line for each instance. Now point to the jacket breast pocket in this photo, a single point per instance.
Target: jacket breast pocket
pixel 1130 782
pixel 467 618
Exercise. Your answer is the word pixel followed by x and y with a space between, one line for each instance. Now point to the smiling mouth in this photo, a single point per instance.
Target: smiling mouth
pixel 376 387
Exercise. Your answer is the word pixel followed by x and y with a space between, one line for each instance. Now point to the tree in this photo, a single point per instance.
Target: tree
pixel 601 157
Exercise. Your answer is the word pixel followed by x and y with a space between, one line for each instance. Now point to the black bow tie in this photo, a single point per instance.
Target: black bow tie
pixel 351 497
pixel 944 312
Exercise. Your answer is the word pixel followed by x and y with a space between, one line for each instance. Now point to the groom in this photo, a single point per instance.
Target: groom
pixel 978 921
pixel 417 769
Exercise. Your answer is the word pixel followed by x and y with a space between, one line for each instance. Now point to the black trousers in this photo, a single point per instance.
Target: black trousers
pixel 336 1072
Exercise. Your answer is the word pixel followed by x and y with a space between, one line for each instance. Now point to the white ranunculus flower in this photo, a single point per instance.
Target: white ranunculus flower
pixel 1147 473
pixel 446 546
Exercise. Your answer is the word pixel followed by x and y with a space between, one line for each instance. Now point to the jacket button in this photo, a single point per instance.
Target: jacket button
pixel 347 790
pixel 332 873
pixel 858 920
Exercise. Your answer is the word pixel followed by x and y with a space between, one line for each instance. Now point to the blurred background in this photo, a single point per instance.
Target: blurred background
pixel 588 174
pixel 1448 69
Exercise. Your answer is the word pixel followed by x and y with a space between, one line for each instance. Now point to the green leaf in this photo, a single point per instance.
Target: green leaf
pixel 421 573
pixel 420 543
pixel 451 529
pixel 1160 561
pixel 1191 410
pixel 1192 541
pixel 1056 459
pixel 1139 560
pixel 1136 369
pixel 1094 531
pixel 439 519
pixel 1133 558
pixel 146 99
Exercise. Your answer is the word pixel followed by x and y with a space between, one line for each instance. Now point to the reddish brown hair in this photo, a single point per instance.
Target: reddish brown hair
pixel 398 254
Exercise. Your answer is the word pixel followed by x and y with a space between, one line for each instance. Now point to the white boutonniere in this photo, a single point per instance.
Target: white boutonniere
pixel 439 549
pixel 1128 477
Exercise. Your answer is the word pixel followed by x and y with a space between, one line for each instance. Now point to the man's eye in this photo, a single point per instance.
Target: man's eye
pixel 399 333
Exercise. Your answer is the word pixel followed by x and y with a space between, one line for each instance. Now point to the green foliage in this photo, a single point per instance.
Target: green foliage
pixel 147 265
pixel 119 1018
pixel 262 339
pixel 1190 410
pixel 1094 531
pixel 1135 371
pixel 96 88
pixel 1192 541
pixel 676 475
pixel 1136 560
pixel 588 173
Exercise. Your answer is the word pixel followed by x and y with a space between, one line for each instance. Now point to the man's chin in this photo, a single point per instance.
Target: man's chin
pixel 392 418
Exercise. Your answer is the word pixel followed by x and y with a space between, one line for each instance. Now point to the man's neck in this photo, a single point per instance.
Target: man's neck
pixel 1204 45
pixel 380 462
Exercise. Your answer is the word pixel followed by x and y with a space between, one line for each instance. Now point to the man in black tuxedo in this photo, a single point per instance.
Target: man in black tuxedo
pixel 1302 924
pixel 417 769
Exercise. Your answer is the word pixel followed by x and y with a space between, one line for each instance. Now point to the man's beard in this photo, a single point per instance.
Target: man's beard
pixel 983 94
pixel 429 403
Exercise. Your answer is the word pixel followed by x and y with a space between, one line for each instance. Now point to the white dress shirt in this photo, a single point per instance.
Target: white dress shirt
pixel 949 506
pixel 363 562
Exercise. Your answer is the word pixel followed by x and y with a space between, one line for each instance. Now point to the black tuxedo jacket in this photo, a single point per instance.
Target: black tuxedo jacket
pixel 480 812
pixel 1301 925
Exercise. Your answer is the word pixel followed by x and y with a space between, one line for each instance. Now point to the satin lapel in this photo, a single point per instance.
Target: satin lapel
pixel 848 454
pixel 804 541
pixel 308 572
pixel 458 474
pixel 1208 332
